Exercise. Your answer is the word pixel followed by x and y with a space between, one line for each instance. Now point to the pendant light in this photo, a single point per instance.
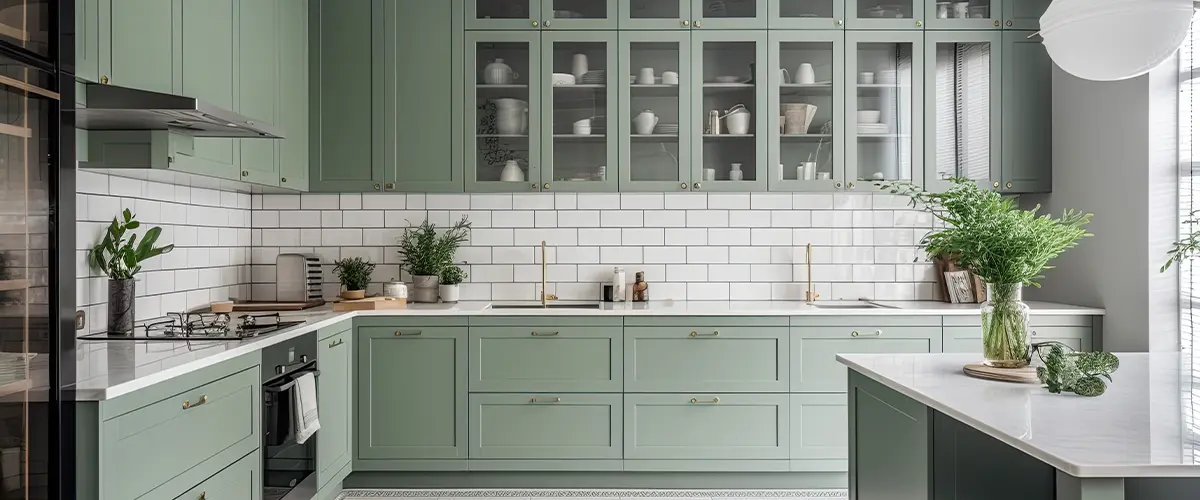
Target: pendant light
pixel 1108 40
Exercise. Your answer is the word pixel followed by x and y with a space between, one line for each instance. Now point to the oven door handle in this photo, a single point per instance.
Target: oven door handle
pixel 291 380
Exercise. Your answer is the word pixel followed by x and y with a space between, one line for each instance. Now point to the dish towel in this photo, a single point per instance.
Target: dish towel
pixel 305 411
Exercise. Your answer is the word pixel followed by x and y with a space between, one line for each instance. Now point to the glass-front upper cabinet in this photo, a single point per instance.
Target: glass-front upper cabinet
pixel 579 151
pixel 806 146
pixel 655 111
pixel 885 14
pixel 579 14
pixel 1024 14
pixel 963 14
pixel 503 122
pixel 730 113
pixel 655 14
pixel 504 14
pixel 884 110
pixel 729 14
pixel 962 117
pixel 807 14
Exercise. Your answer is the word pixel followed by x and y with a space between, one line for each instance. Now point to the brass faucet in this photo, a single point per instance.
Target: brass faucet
pixel 810 296
pixel 545 297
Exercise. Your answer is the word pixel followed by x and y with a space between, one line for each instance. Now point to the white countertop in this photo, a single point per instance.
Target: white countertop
pixel 1144 425
pixel 107 369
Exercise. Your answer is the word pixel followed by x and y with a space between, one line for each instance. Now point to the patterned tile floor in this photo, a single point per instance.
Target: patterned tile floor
pixel 557 494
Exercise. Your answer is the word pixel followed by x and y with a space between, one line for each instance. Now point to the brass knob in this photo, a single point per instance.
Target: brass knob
pixel 696 186
pixel 104 79
pixel 919 24
pixel 996 184
pixel 1009 185
pixel 377 186
pixel 534 186
pixel 996 23
pixel 684 23
pixel 850 185
pixel 682 185
pixel 837 185
pixel 283 179
pixel 695 24
pixel 546 24
pixel 389 186
pixel 189 405
pixel 1008 23
pixel 535 24
pixel 546 186
pixel 245 173
pixel 838 22
pixel 854 333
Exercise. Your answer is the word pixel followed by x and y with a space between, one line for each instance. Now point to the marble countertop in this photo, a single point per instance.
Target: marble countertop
pixel 1144 425
pixel 108 369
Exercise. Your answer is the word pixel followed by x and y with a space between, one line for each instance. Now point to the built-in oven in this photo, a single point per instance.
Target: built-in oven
pixel 289 467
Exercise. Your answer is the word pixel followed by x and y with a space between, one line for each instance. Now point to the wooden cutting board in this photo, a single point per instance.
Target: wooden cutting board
pixel 370 304
pixel 276 306
pixel 1026 375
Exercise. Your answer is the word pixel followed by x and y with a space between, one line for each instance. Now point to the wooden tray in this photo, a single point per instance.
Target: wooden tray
pixel 252 306
pixel 1026 375
pixel 369 304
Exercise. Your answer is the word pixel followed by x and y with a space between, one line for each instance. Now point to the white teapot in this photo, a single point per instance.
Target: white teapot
pixel 499 73
pixel 645 122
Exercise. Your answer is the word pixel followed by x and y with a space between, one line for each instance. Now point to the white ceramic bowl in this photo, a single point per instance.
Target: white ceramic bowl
pixel 562 79
pixel 868 116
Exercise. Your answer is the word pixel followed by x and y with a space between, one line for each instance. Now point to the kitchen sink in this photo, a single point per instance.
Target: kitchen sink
pixel 857 305
pixel 547 306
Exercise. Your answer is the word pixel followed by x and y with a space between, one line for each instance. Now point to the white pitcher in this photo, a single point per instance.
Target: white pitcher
pixel 645 122
pixel 511 116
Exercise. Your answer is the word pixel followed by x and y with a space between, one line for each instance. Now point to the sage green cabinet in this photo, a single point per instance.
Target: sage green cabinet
pixel 545 426
pixel 706 426
pixel 242 480
pixel 977 15
pixel 258 86
pixel 655 158
pixel 575 159
pixel 209 49
pixel 818 431
pixel 412 393
pixel 87 40
pixel 293 94
pixel 717 359
pixel 969 339
pixel 735 152
pixel 589 15
pixel 962 107
pixel 503 14
pixel 334 391
pixel 807 14
pixel 503 121
pixel 139 45
pixel 799 141
pixel 655 15
pixel 1024 14
pixel 1027 115
pixel 886 144
pixel 885 14
pixel 546 359
pixel 815 350
pixel 727 15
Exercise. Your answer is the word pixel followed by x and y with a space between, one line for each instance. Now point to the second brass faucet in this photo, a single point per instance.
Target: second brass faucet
pixel 545 297
pixel 811 295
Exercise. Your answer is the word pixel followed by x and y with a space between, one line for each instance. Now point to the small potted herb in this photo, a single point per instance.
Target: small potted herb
pixel 120 257
pixel 355 274
pixel 450 278
pixel 426 253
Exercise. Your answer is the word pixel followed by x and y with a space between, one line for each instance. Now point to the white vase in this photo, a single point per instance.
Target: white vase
pixel 449 293
pixel 579 66
pixel 805 74
pixel 498 73
pixel 512 172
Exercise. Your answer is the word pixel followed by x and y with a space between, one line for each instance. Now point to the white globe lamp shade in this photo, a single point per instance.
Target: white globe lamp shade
pixel 1108 40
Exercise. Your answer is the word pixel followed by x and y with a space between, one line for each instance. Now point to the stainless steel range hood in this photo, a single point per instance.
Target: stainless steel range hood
pixel 110 107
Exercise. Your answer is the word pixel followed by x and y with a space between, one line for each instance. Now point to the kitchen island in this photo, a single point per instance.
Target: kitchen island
pixel 919 428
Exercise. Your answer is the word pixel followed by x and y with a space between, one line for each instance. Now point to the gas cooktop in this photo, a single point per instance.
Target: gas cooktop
pixel 201 326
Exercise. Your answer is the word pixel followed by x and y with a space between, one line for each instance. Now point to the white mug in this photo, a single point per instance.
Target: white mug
pixel 805 74
pixel 670 78
pixel 784 77
pixel 960 9
pixel 823 176
pixel 583 127
pixel 710 174
pixel 645 76
pixel 866 77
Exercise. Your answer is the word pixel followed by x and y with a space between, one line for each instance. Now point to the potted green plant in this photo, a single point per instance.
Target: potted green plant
pixel 426 252
pixel 355 274
pixel 1008 248
pixel 449 280
pixel 119 255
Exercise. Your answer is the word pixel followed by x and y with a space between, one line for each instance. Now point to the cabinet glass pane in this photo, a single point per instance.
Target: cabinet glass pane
pixel 654 9
pixel 655 105
pixel 884 9
pixel 884 107
pixel 805 9
pixel 503 9
pixel 963 114
pixel 806 110
pixel 728 9
pixel 578 105
pixel 729 93
pixel 580 9
pixel 963 9
pixel 502 111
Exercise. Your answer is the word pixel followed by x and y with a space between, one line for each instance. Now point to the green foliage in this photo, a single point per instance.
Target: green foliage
pixel 990 235
pixel 452 275
pixel 426 252
pixel 1066 370
pixel 354 272
pixel 121 258
pixel 1186 248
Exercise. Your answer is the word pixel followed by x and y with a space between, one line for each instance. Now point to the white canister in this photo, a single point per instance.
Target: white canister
pixel 618 283
pixel 670 78
pixel 579 66
pixel 395 289
pixel 645 76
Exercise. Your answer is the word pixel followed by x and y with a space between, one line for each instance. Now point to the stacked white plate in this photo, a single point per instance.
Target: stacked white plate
pixel 873 128
pixel 667 129
pixel 597 77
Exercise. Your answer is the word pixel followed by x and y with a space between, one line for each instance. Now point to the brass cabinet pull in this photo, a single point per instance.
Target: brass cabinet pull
pixel 338 343
pixel 409 333
pixel 546 186
pixel 377 186
pixel 283 179
pixel 534 400
pixel 245 173
pixel 104 79
pixel 838 22
pixel 684 23
pixel 849 185
pixel 544 334
pixel 187 405
pixel 919 23
pixel 682 185
pixel 545 24
pixel 712 401
pixel 996 23
pixel 1008 23
pixel 696 186
pixel 875 333
pixel 1008 186
pixel 695 24
pixel 713 334
pixel 535 186
pixel 535 24
pixel 995 184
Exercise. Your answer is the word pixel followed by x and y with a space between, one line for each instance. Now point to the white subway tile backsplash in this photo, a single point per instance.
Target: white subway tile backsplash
pixel 415 201
pixel 554 237
pixel 545 218
pixel 685 201
pixel 812 201
pixel 578 218
pixel 281 237
pixel 512 255
pixel 350 201
pixel 362 218
pixel 491 273
pixel 642 201
pixel 447 201
pixel 749 291
pixel 729 201
pixel 600 236
pixel 750 255
pixel 708 291
pixel 642 237
pixel 601 201
pixel 729 272
pixel 565 201
pixel 491 201
pixel 767 273
pixel 620 255
pixel 750 218
pixel 404 218
pixel 791 218
pixel 276 201
pixel 318 201
pixel 707 218
pixel 770 237
pixel 491 237
pixel 300 218
pixel 852 291
pixel 664 255
pixel 512 218
pixel 578 255
pixel 619 218
pixel 770 201
pixel 665 218
pixel 687 272
pixel 728 236
pixel 343 237
pixel 708 255
pixel 533 201
pixel 853 201
pixel 686 236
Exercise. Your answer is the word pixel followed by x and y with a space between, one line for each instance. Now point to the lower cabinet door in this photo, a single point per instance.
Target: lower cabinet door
pixel 716 359
pixel 240 480
pixel 814 351
pixel 545 426
pixel 333 405
pixel 969 339
pixel 707 426
pixel 819 435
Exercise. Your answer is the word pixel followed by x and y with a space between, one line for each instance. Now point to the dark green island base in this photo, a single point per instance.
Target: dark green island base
pixel 901 449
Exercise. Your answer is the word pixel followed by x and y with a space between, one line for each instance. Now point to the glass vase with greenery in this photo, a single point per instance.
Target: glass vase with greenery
pixel 426 251
pixel 119 256
pixel 1005 246
pixel 355 274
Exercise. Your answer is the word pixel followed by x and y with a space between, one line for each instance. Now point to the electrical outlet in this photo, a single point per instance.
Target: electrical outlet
pixel 80 320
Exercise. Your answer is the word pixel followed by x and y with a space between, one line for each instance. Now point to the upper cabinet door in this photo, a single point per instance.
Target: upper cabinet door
pixel 885 14
pixel 1024 14
pixel 293 94
pixel 209 74
pixel 729 81
pixel 884 112
pixel 87 40
pixel 807 14
pixel 139 46
pixel 1028 127
pixel 729 14
pixel 504 14
pixel 963 14
pixel 579 75
pixel 503 116
pixel 258 76
pixel 655 14
pixel 579 14
pixel 962 107
pixel 656 111
pixel 806 146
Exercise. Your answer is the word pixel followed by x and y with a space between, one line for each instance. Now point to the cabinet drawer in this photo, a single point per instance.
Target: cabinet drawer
pixel 545 426
pixel 714 359
pixel 213 424
pixel 818 428
pixel 706 426
pixel 814 350
pixel 969 339
pixel 238 481
pixel 545 359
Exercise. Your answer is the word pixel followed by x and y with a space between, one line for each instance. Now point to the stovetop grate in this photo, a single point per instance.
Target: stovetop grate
pixel 201 326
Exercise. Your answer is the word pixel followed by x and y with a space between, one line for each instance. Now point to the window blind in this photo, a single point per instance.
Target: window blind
pixel 1189 203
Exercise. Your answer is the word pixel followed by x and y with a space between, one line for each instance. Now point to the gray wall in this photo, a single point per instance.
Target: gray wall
pixel 1115 155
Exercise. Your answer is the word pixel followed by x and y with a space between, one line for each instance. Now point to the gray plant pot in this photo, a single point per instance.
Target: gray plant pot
pixel 121 295
pixel 425 289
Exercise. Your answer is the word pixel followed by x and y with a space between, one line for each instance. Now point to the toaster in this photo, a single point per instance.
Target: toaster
pixel 298 277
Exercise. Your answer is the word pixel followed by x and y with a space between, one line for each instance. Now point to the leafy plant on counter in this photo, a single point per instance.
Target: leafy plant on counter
pixel 121 258
pixel 1066 370
pixel 426 252
pixel 354 272
pixel 1186 248
pixel 452 275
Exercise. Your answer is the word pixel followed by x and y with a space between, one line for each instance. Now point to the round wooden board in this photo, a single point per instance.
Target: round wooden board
pixel 1026 375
